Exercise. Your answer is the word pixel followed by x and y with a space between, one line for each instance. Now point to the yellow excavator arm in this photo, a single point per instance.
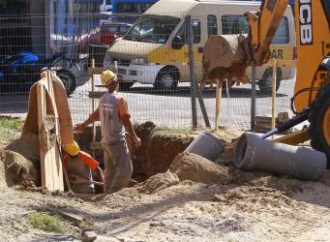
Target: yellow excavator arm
pixel 312 87
pixel 262 28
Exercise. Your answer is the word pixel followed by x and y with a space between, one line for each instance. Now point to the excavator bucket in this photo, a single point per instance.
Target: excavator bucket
pixel 225 57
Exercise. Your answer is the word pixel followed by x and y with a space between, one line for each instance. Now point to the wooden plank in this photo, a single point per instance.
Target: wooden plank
pixel 264 118
pixel 51 166
pixel 218 98
pixel 54 153
pixel 42 109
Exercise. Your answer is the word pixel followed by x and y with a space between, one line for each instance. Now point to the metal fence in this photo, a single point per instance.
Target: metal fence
pixel 153 56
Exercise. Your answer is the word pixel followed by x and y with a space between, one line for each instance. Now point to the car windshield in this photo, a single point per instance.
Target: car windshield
pixel 152 29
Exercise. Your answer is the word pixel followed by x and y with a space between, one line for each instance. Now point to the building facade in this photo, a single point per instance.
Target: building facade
pixel 45 26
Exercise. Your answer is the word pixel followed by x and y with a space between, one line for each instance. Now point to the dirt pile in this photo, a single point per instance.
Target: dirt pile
pixel 159 182
pixel 19 161
pixel 27 146
pixel 15 168
pixel 188 166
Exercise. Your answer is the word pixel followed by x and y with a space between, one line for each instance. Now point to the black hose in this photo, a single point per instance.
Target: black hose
pixel 308 89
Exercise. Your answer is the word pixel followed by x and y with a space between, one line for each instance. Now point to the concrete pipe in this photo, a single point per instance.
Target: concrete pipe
pixel 252 152
pixel 207 146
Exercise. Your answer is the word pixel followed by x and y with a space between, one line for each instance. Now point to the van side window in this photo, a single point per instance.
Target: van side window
pixel 236 24
pixel 196 29
pixel 212 26
pixel 282 35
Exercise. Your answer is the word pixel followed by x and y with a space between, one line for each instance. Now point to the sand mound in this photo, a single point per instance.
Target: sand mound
pixel 27 146
pixel 159 182
pixel 188 166
pixel 15 168
pixel 19 161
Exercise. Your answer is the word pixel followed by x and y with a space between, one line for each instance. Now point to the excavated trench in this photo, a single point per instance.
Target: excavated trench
pixel 159 158
pixel 155 154
pixel 20 159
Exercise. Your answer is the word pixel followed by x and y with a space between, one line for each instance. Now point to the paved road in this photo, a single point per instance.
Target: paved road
pixel 167 108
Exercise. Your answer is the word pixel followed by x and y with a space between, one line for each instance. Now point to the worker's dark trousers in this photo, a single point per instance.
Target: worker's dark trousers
pixel 118 166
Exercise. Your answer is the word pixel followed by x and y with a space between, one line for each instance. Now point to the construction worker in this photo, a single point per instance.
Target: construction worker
pixel 115 118
pixel 83 171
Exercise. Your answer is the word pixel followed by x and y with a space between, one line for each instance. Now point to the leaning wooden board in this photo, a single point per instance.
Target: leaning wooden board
pixel 50 159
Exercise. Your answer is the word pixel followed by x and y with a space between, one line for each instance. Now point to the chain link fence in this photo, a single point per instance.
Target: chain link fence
pixel 152 53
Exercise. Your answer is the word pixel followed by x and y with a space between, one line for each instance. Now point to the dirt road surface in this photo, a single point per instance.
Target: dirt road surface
pixel 247 207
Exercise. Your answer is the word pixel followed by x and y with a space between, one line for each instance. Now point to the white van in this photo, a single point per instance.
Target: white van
pixel 149 52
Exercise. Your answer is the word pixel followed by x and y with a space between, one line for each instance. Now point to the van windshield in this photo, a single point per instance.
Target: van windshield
pixel 152 29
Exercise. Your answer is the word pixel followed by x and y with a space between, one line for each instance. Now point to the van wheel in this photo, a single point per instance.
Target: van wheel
pixel 68 79
pixel 167 79
pixel 125 86
pixel 265 84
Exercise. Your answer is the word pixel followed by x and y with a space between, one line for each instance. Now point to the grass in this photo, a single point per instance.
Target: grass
pixel 47 222
pixel 172 131
pixel 9 128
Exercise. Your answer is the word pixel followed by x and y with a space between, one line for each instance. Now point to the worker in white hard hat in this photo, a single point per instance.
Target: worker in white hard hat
pixel 115 118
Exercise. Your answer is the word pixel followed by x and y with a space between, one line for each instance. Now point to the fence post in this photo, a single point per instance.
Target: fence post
pixel 191 68
pixel 274 84
pixel 253 98
pixel 93 106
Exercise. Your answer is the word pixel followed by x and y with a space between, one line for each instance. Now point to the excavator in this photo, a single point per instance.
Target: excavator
pixel 311 100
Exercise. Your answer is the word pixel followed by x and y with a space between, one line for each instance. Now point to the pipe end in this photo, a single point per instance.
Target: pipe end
pixel 240 151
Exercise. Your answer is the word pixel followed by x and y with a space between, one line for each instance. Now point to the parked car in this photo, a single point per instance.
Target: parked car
pixel 107 33
pixel 18 72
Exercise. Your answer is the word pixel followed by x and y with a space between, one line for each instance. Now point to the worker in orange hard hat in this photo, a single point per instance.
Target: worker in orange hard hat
pixel 115 119
pixel 83 170
pixel 72 148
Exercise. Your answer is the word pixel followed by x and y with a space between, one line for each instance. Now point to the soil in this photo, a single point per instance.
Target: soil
pixel 195 168
pixel 161 151
pixel 154 155
pixel 241 206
